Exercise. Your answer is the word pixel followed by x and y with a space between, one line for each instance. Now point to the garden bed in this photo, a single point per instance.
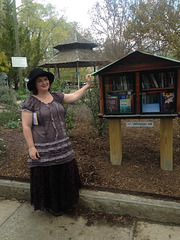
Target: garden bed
pixel 139 172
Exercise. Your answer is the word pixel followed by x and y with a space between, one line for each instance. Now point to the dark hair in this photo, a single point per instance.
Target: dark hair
pixel 34 88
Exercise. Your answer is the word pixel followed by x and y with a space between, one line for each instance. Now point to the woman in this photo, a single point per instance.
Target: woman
pixel 54 176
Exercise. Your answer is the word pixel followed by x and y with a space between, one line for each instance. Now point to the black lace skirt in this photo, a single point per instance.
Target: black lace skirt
pixel 55 187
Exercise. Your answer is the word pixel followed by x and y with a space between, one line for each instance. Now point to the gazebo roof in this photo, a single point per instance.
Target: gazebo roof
pixel 75 51
pixel 75 41
pixel 70 58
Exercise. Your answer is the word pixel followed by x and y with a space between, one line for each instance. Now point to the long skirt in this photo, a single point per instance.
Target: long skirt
pixel 55 187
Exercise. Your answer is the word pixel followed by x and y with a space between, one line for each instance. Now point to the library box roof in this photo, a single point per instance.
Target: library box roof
pixel 138 61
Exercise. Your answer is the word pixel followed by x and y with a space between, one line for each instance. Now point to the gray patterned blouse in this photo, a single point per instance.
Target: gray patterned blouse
pixel 49 131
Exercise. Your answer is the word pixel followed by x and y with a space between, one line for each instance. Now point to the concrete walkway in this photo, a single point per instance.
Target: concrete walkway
pixel 18 221
pixel 152 219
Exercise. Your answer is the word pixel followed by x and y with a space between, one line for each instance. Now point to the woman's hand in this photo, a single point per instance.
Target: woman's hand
pixel 88 79
pixel 75 96
pixel 33 153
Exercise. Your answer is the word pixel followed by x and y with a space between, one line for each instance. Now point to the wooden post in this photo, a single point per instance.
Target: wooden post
pixel 166 143
pixel 115 139
pixel 58 73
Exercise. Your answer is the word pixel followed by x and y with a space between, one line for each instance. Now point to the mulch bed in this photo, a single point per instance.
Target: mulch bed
pixel 139 173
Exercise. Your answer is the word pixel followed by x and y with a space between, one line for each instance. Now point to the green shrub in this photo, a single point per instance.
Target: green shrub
pixel 7 96
pixel 92 100
pixel 6 99
pixel 69 119
pixel 10 115
pixel 60 85
pixel 11 124
pixel 22 91
pixel 21 97
pixel 22 94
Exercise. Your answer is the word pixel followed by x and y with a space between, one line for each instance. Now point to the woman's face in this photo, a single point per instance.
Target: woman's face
pixel 42 84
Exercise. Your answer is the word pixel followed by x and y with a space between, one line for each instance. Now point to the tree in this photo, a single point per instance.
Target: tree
pixel 109 23
pixel 4 64
pixel 43 23
pixel 7 40
pixel 45 29
pixel 155 27
pixel 1 15
pixel 39 29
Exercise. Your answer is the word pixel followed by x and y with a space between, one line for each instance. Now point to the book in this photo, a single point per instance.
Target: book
pixel 125 105
pixel 154 80
pixel 117 85
pixel 157 80
pixel 145 81
pixel 35 119
pixel 111 104
pixel 171 79
pixel 128 83
pixel 143 97
pixel 152 85
pixel 162 80
pixel 143 86
pixel 161 102
pixel 114 86
pixel 121 83
pixel 151 107
pixel 125 83
pixel 168 106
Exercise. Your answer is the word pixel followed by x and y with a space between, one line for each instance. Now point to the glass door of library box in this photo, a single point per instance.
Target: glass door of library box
pixel 119 94
pixel 158 92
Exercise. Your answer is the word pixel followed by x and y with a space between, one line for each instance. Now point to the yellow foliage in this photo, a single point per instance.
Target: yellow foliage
pixel 4 64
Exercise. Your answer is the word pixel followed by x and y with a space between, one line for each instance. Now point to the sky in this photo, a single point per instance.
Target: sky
pixel 75 10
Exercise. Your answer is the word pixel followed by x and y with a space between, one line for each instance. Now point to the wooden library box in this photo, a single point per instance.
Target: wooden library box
pixel 140 85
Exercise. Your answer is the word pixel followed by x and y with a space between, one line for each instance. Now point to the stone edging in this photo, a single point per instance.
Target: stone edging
pixel 112 203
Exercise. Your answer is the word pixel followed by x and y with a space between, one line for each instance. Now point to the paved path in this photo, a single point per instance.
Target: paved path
pixel 18 221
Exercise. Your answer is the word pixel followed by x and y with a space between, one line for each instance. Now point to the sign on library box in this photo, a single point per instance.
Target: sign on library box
pixel 139 124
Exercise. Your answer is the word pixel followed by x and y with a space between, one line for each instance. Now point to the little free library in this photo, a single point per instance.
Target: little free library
pixel 139 86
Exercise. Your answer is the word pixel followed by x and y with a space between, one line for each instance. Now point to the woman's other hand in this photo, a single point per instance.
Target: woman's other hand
pixel 33 153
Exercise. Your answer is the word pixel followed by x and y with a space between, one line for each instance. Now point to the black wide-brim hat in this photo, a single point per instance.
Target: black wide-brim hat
pixel 38 72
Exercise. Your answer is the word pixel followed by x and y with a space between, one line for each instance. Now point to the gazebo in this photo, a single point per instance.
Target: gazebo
pixel 73 52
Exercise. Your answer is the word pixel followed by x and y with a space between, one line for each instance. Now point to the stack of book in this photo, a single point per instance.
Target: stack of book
pixel 158 101
pixel 119 83
pixel 158 80
pixel 121 102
